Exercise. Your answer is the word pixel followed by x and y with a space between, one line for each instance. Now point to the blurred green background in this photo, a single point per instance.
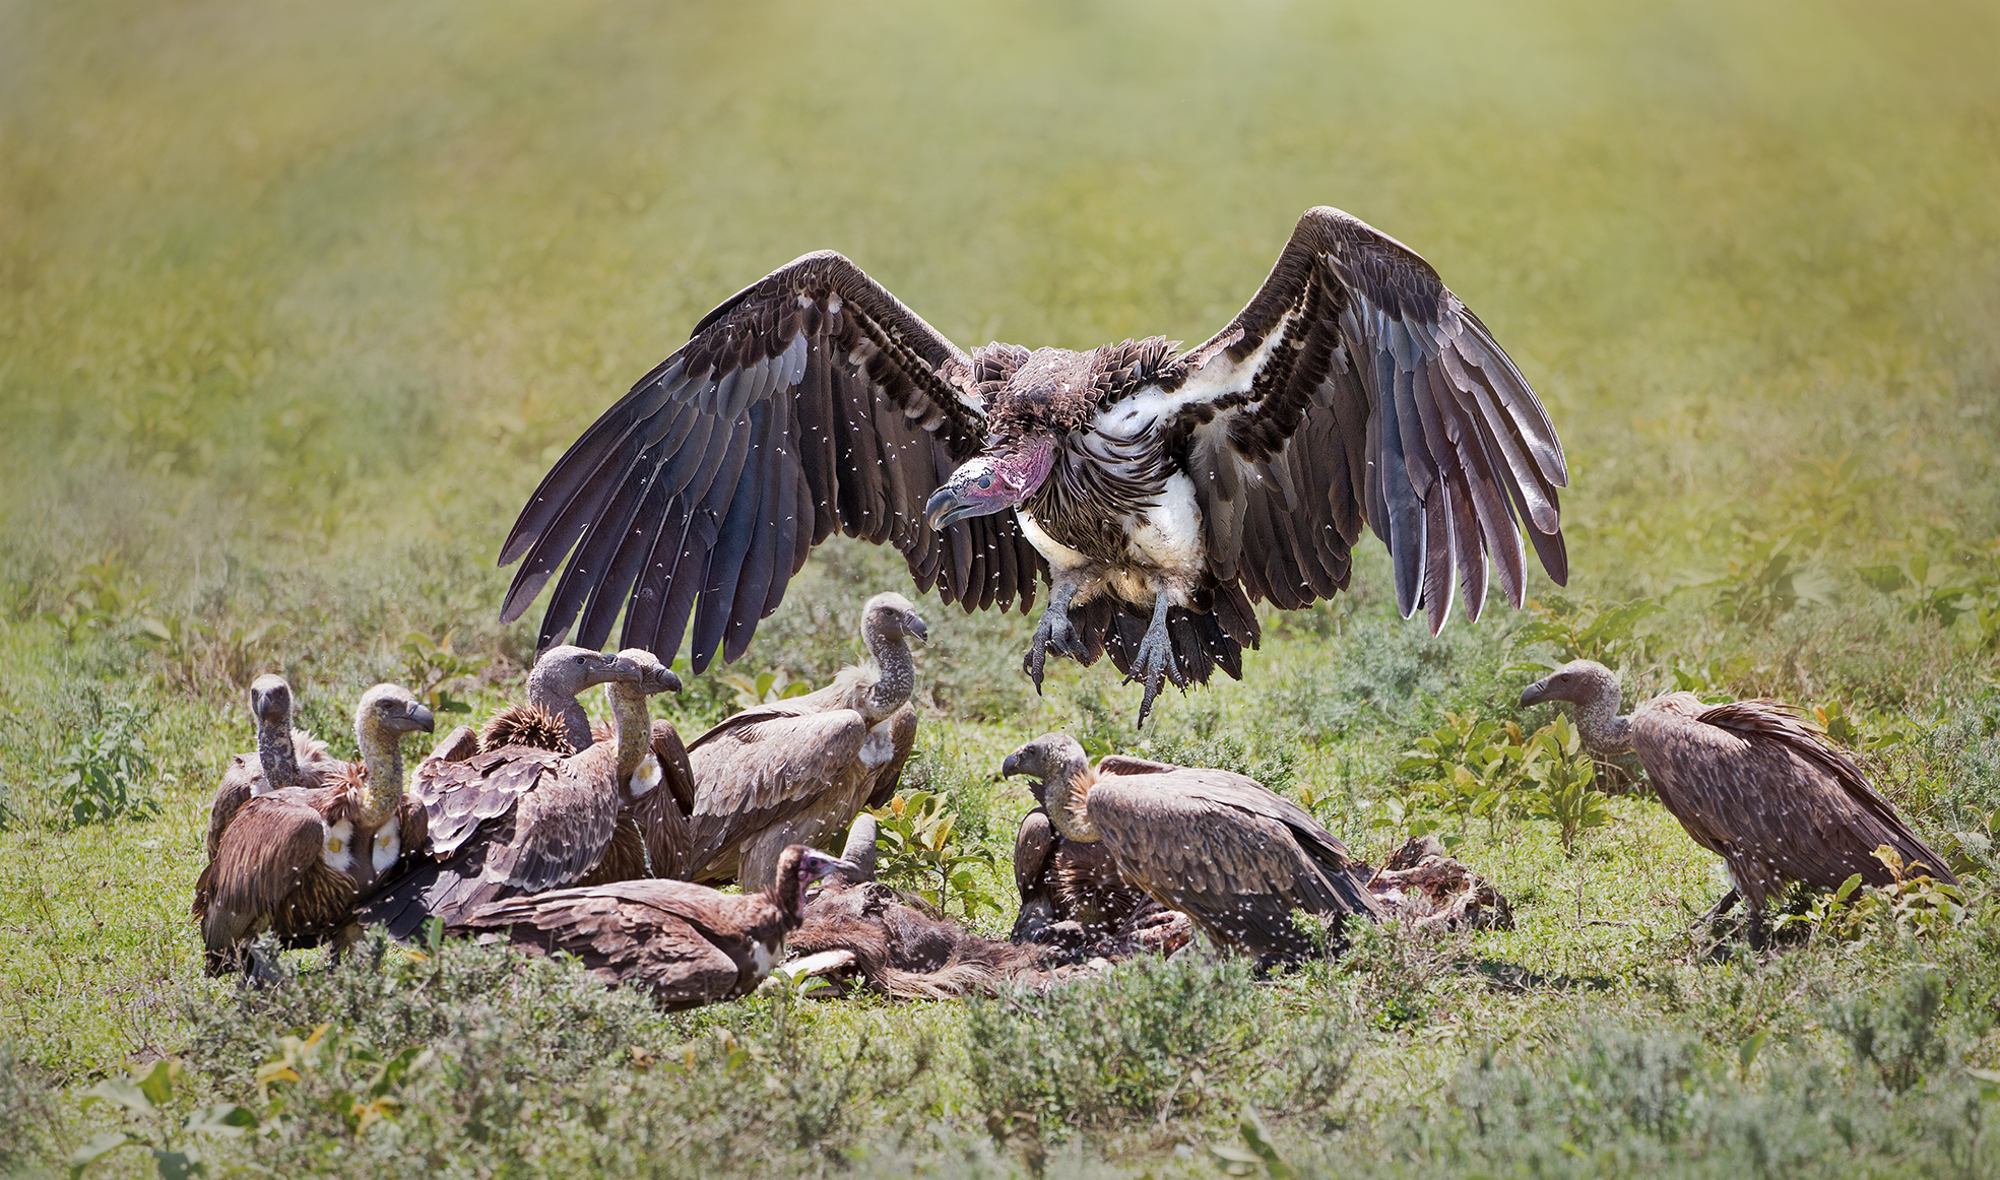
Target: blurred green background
pixel 297 303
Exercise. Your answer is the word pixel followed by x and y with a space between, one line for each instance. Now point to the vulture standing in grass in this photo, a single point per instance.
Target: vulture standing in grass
pixel 295 861
pixel 285 757
pixel 687 943
pixel 1071 890
pixel 1232 855
pixel 1752 783
pixel 856 926
pixel 800 770
pixel 1161 492
pixel 521 819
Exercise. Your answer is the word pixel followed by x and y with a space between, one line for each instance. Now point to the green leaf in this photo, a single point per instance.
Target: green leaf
pixel 122 1092
pixel 225 1118
pixel 158 1084
pixel 94 1148
pixel 177 1165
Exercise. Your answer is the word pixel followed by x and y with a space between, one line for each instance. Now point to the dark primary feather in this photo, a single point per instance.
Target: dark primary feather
pixel 811 400
pixel 1382 399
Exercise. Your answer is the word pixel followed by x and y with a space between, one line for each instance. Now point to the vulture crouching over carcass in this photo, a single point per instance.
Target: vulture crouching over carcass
pixel 521 819
pixel 688 944
pixel 1232 855
pixel 855 926
pixel 294 861
pixel 285 757
pixel 800 770
pixel 1751 783
pixel 1071 892
pixel 1161 492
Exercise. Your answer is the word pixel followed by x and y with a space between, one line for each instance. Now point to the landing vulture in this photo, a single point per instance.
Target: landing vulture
pixel 1160 491
pixel 294 861
pixel 688 944
pixel 799 770
pixel 521 819
pixel 1751 783
pixel 1232 855
pixel 285 757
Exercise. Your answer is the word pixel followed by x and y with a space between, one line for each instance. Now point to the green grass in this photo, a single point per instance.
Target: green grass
pixel 297 304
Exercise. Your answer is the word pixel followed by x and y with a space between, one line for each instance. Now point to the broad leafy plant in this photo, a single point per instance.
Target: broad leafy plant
pixel 1565 778
pixel 103 774
pixel 147 1100
pixel 917 852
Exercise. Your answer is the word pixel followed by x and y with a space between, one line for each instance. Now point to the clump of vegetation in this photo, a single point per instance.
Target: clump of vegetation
pixel 917 853
pixel 106 773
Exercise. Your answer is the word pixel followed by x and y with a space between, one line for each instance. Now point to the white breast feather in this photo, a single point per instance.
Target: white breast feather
pixel 1168 535
pixel 879 746
pixel 337 845
pixel 1138 413
pixel 762 959
pixel 1059 556
pixel 388 845
pixel 648 776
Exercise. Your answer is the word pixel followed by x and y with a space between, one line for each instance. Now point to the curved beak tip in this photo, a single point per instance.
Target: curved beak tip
pixel 1011 767
pixel 425 720
pixel 939 508
pixel 1531 695
pixel 919 628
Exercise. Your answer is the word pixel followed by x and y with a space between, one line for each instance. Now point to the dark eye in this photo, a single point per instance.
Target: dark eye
pixel 985 481
pixel 580 661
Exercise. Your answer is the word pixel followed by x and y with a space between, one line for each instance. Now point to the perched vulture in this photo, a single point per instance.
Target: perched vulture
pixel 687 943
pixel 856 926
pixel 1751 783
pixel 798 771
pixel 294 861
pixel 1232 855
pixel 285 757
pixel 1064 881
pixel 1162 492
pixel 521 819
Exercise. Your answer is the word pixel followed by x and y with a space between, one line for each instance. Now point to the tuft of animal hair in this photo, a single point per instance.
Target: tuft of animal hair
pixel 525 725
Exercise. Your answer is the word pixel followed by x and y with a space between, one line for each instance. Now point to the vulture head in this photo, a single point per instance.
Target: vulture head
pixel 565 671
pixel 798 867
pixel 1593 689
pixel 271 702
pixel 1059 761
pixel 1580 682
pixel 1049 394
pixel 386 713
pixel 891 616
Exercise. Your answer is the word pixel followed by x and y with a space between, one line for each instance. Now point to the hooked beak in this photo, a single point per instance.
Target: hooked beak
pixel 1012 766
pixel 947 508
pixel 660 678
pixel 820 866
pixel 423 718
pixel 913 623
pixel 1535 693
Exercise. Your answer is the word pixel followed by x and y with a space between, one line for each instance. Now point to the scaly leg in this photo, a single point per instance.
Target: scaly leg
pixel 1054 631
pixel 1722 906
pixel 1156 657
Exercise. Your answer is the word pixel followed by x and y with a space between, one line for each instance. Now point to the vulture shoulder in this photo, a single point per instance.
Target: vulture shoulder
pixel 901 738
pixel 1033 843
pixel 1116 764
pixel 263 857
pixel 812 400
pixel 673 756
pixel 1356 388
pixel 755 774
pixel 1198 838
pixel 460 795
pixel 563 826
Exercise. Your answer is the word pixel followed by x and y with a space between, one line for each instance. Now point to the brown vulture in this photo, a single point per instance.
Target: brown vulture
pixel 687 943
pixel 285 757
pixel 1232 855
pixel 521 819
pixel 1070 890
pixel 1752 783
pixel 1162 492
pixel 799 770
pixel 294 861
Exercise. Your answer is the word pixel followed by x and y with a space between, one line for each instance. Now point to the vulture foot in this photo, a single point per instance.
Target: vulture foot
pixel 1054 631
pixel 1156 662
pixel 1722 906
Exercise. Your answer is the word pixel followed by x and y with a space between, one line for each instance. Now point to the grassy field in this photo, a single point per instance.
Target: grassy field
pixel 296 305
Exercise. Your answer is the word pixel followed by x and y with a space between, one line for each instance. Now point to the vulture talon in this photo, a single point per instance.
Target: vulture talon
pixel 1054 631
pixel 1156 659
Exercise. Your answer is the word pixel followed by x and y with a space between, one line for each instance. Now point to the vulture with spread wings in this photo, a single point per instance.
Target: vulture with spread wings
pixel 1160 492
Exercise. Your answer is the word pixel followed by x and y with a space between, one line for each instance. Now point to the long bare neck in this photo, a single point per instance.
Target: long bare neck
pixel 558 701
pixel 276 753
pixel 631 728
pixel 1600 726
pixel 1069 803
pixel 382 754
pixel 898 673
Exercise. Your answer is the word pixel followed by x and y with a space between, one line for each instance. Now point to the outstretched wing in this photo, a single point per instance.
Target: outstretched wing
pixel 1357 388
pixel 810 400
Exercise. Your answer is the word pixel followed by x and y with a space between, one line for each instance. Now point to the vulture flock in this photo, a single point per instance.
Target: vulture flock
pixel 1162 493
